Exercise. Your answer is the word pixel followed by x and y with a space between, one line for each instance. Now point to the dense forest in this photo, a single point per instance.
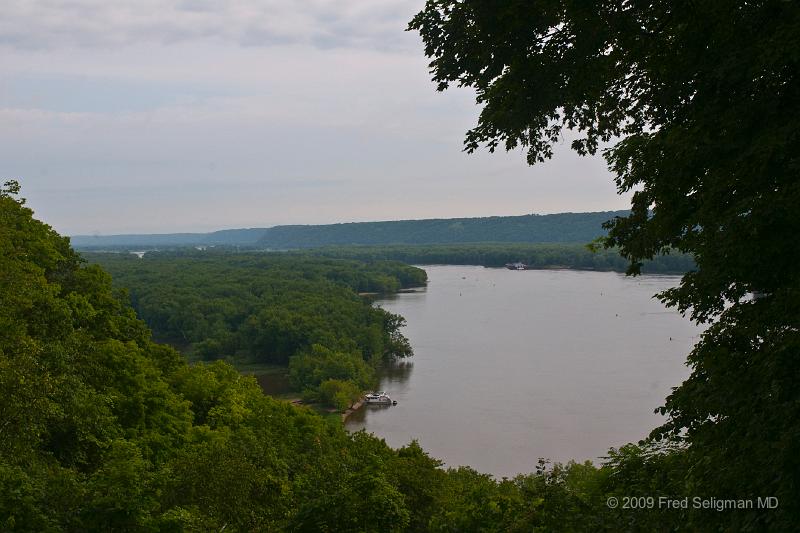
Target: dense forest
pixel 575 256
pixel 299 311
pixel 103 429
pixel 555 228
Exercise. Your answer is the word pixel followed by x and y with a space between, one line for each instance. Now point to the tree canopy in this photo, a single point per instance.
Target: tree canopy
pixel 700 101
pixel 270 308
pixel 696 108
pixel 101 429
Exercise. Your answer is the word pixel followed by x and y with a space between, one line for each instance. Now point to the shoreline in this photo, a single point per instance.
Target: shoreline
pixel 352 409
pixel 298 402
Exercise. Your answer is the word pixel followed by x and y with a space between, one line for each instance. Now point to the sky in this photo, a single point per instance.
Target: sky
pixel 162 116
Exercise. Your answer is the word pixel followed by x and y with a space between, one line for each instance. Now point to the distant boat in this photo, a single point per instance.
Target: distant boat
pixel 379 398
pixel 516 266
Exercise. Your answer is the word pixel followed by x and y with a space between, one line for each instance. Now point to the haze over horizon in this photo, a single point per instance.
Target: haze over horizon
pixel 194 116
pixel 330 223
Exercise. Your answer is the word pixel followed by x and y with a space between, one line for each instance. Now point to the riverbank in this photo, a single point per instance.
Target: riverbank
pixel 573 256
pixel 326 412
pixel 352 409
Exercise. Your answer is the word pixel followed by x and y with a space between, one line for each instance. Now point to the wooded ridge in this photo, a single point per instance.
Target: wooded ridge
pixel 559 227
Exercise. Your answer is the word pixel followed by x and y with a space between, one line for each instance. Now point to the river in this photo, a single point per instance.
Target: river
pixel 510 366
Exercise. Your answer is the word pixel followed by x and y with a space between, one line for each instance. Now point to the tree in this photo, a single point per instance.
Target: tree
pixel 101 429
pixel 699 105
pixel 339 393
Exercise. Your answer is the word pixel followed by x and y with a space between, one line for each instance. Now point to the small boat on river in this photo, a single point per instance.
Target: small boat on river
pixel 379 398
pixel 516 266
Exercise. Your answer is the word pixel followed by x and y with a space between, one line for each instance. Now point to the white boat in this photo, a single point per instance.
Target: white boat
pixel 380 398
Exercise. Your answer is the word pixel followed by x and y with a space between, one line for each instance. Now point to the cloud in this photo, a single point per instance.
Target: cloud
pixel 198 114
pixel 255 162
pixel 324 24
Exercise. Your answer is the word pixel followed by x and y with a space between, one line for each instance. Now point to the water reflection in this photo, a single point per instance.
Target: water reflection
pixel 274 383
pixel 397 371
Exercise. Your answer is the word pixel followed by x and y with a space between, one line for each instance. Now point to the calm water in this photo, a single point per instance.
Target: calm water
pixel 512 366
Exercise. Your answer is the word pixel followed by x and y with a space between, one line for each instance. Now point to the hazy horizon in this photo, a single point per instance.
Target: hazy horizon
pixel 191 116
pixel 166 232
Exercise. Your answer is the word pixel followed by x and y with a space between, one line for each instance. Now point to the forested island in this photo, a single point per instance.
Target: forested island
pixel 255 310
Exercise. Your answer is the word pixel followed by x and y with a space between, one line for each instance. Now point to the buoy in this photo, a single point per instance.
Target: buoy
pixel 394 402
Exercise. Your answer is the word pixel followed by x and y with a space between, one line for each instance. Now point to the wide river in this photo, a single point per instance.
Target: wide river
pixel 512 366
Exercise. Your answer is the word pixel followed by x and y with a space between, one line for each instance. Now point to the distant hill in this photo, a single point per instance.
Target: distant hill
pixel 556 228
pixel 232 237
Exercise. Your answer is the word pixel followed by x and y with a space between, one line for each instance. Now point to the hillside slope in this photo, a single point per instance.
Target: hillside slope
pixel 561 227
pixel 555 228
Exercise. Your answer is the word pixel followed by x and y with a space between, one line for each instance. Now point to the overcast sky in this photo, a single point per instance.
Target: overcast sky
pixel 164 116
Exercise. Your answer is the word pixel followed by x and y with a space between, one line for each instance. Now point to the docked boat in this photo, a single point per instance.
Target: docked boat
pixel 516 266
pixel 379 398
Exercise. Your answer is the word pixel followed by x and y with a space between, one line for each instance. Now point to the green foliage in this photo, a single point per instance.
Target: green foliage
pixel 576 256
pixel 702 102
pixel 340 394
pixel 421 481
pixel 104 430
pixel 325 373
pixel 273 309
pixel 264 307
pixel 740 407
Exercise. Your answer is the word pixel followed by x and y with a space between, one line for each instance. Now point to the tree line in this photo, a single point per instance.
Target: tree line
pixel 574 256
pixel 297 311
pixel 105 430
pixel 557 227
